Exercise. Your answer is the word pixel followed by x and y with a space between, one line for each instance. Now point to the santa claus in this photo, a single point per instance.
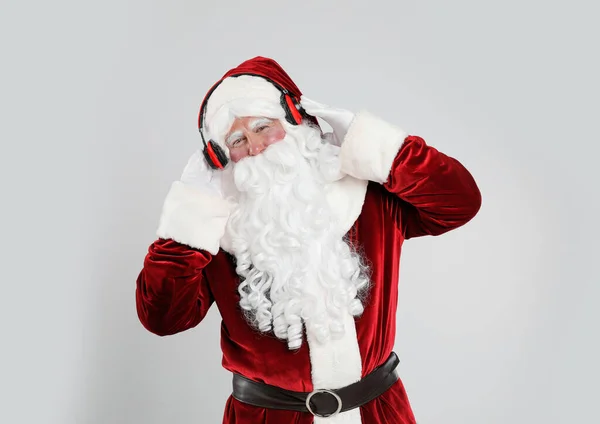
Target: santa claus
pixel 296 236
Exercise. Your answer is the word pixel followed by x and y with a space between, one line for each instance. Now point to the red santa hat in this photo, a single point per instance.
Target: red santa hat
pixel 253 88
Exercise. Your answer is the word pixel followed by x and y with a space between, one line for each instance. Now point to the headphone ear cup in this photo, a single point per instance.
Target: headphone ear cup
pixel 291 108
pixel 215 156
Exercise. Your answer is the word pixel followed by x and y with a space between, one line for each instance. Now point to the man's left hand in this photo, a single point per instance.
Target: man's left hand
pixel 338 119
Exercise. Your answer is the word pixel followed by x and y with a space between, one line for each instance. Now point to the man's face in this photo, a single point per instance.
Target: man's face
pixel 250 136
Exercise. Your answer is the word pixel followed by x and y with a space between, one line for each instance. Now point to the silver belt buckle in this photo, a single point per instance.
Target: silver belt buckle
pixel 314 392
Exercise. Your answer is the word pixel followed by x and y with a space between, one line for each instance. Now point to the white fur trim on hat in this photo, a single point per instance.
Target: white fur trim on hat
pixel 245 95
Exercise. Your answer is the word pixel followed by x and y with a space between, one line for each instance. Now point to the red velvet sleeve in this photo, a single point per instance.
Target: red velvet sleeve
pixel 435 193
pixel 172 294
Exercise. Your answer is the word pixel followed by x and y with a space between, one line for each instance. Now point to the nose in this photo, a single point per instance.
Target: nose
pixel 255 146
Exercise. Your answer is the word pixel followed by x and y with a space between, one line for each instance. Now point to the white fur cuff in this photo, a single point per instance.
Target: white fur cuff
pixel 194 218
pixel 370 147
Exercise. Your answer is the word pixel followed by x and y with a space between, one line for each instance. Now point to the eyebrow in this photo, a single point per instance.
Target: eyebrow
pixel 258 122
pixel 233 136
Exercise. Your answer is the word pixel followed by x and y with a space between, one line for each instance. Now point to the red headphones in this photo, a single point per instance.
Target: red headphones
pixel 214 154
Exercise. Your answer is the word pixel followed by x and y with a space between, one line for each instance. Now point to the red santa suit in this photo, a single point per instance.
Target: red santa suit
pixel 396 187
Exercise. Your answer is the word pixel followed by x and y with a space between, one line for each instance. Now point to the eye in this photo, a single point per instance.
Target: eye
pixel 237 142
pixel 261 128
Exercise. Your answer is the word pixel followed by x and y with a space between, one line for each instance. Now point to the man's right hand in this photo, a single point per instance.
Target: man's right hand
pixel 195 212
pixel 198 175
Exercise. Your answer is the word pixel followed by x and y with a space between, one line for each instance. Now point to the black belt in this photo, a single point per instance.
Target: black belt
pixel 319 402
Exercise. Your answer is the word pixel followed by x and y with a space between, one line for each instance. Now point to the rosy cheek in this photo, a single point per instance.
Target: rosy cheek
pixel 275 135
pixel 237 154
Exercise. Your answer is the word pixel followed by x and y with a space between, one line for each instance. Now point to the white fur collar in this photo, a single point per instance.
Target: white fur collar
pixel 346 197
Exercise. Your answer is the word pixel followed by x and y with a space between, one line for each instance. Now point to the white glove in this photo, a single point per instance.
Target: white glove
pixel 368 151
pixel 197 174
pixel 194 211
pixel 338 119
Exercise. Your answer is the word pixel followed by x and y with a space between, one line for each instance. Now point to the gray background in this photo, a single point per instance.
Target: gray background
pixel 497 321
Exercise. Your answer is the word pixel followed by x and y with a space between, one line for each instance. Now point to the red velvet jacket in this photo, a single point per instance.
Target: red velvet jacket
pixel 426 193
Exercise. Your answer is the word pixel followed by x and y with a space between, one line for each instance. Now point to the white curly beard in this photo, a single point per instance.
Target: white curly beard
pixel 296 270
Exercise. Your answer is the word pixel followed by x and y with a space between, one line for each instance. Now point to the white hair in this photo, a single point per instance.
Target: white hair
pixel 296 268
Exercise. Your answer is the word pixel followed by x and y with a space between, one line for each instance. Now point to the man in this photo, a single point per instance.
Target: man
pixel 296 236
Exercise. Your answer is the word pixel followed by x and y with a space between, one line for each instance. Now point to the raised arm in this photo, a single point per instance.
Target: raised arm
pixel 172 293
pixel 434 192
pixel 437 193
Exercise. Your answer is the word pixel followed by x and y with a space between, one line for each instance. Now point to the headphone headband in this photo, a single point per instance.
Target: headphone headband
pixel 201 114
